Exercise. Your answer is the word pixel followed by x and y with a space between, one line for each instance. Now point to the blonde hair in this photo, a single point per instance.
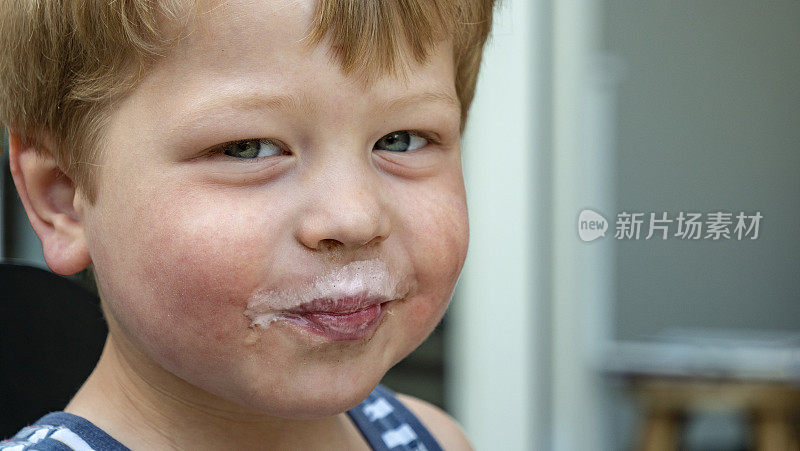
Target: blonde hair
pixel 65 63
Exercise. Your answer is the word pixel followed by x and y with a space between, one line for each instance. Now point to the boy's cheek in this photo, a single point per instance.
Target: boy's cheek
pixel 436 228
pixel 436 237
pixel 187 268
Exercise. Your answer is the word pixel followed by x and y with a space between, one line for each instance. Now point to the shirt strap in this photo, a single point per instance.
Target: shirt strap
pixel 387 424
pixel 61 431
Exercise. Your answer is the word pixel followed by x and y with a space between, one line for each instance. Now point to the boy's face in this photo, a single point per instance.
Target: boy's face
pixel 188 242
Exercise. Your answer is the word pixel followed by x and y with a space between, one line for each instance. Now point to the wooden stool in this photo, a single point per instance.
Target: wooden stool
pixel 773 409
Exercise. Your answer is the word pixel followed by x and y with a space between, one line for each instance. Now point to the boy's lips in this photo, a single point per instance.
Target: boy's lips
pixel 345 303
pixel 344 319
pixel 339 306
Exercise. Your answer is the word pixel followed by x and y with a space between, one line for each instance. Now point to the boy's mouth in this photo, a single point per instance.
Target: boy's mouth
pixel 339 306
pixel 344 319
pixel 344 304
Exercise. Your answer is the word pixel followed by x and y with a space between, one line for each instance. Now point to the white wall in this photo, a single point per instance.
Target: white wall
pixel 491 372
pixel 530 317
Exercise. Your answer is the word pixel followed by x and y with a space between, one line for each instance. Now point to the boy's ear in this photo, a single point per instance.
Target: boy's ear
pixel 53 205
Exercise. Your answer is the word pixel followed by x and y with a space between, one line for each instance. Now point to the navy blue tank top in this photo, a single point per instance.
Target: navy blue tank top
pixel 383 420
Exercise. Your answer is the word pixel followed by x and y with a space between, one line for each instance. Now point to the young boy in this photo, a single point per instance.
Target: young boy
pixel 270 195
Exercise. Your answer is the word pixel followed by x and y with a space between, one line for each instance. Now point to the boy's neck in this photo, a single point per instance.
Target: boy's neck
pixel 153 409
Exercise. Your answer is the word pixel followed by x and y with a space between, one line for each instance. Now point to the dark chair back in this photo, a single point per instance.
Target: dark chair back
pixel 51 334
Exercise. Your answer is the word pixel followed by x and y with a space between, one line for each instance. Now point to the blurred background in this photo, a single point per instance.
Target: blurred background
pixel 618 106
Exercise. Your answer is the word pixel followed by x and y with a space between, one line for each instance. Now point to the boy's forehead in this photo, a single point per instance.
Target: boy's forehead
pixel 264 32
pixel 246 28
pixel 248 24
pixel 257 47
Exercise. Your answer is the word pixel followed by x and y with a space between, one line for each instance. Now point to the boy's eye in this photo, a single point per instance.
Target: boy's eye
pixel 401 141
pixel 252 148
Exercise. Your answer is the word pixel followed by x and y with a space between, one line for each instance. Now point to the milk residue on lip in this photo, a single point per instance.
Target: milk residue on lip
pixel 364 277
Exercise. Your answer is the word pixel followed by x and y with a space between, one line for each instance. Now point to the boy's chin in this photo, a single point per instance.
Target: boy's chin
pixel 310 402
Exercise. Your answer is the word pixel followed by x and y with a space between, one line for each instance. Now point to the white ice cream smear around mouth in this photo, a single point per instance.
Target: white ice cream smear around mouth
pixel 364 278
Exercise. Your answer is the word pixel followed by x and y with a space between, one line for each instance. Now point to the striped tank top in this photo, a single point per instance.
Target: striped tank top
pixel 383 420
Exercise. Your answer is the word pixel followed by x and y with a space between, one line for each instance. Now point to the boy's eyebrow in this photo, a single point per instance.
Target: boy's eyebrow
pixel 423 97
pixel 260 101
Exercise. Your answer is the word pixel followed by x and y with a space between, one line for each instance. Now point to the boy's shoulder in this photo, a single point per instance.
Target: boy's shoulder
pixel 441 425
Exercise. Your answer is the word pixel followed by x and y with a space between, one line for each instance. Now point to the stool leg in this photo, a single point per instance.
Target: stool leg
pixel 774 431
pixel 662 431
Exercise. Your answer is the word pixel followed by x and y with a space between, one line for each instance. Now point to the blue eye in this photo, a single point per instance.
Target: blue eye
pixel 401 141
pixel 252 148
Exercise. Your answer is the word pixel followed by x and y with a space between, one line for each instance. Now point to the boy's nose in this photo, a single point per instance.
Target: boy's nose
pixel 343 211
